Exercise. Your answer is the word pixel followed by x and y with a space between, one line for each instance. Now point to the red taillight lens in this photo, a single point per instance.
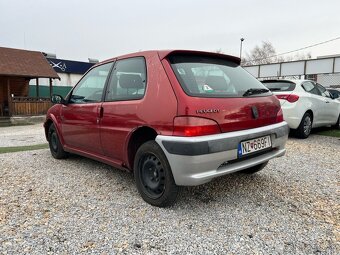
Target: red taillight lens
pixel 195 126
pixel 290 98
pixel 279 116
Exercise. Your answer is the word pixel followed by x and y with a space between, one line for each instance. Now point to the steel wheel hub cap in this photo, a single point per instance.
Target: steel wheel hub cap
pixel 54 141
pixel 307 125
pixel 152 175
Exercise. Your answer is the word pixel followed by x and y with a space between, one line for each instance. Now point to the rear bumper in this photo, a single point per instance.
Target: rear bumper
pixel 292 114
pixel 197 160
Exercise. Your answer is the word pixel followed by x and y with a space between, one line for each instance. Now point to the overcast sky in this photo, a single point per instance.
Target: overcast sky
pixel 78 29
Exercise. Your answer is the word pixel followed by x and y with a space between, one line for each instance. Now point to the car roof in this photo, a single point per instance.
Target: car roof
pixel 296 81
pixel 165 53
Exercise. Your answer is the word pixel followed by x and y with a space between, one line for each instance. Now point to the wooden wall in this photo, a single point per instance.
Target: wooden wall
pixel 30 108
pixel 18 87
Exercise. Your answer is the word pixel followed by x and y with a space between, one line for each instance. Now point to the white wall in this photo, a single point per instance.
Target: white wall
pixel 66 79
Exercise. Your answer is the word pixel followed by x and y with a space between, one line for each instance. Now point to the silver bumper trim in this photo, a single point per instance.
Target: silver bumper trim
pixel 197 169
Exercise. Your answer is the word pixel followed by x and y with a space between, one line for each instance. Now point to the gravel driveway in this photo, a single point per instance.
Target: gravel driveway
pixel 77 205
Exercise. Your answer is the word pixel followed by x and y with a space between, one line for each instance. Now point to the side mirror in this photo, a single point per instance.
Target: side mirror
pixel 57 99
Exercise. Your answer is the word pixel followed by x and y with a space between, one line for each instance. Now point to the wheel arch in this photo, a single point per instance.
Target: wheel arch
pixel 52 120
pixel 311 113
pixel 136 139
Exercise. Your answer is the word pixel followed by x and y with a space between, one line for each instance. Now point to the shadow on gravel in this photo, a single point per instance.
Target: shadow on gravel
pixel 233 189
pixel 230 189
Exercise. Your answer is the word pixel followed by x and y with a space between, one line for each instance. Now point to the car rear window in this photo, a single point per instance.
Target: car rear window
pixel 202 76
pixel 279 85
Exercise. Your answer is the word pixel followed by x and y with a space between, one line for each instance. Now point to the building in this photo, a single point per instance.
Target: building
pixel 17 69
pixel 329 80
pixel 69 72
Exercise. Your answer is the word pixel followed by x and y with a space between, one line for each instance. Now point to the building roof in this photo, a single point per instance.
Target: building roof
pixel 25 63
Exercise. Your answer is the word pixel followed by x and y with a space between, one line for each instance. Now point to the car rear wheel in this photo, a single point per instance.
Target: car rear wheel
pixel 305 127
pixel 56 148
pixel 153 176
pixel 254 169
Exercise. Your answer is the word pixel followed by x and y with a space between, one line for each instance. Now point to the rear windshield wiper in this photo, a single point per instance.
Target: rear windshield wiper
pixel 250 92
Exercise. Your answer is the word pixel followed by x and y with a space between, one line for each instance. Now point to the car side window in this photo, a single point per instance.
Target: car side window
pixel 128 80
pixel 336 94
pixel 311 88
pixel 91 86
pixel 323 91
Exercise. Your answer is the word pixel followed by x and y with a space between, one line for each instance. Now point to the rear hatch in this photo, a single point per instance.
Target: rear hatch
pixel 282 89
pixel 217 89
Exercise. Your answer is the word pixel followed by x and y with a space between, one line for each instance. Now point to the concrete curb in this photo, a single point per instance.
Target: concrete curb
pixel 22 120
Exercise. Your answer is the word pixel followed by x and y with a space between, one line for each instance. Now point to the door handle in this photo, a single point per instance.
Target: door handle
pixel 327 102
pixel 101 112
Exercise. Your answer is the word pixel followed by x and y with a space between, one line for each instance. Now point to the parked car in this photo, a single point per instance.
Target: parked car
pixel 173 118
pixel 305 104
pixel 335 93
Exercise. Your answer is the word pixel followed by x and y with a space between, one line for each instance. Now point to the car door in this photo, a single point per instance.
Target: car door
pixel 317 103
pixel 331 105
pixel 123 101
pixel 81 115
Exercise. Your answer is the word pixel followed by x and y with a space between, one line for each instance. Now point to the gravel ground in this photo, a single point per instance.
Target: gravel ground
pixel 77 205
pixel 22 135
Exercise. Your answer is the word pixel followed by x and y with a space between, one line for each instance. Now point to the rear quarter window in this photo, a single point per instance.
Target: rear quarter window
pixel 279 85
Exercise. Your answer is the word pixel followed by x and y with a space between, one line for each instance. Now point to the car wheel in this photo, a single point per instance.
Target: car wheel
pixel 337 124
pixel 153 176
pixel 254 169
pixel 56 148
pixel 305 127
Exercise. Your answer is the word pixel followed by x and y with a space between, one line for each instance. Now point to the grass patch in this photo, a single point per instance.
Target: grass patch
pixel 328 132
pixel 23 148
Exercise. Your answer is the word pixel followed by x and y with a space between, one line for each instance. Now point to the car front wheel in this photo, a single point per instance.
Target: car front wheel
pixel 56 148
pixel 337 124
pixel 153 176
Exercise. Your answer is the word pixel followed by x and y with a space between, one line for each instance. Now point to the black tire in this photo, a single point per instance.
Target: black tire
pixel 337 124
pixel 305 127
pixel 56 148
pixel 153 176
pixel 254 169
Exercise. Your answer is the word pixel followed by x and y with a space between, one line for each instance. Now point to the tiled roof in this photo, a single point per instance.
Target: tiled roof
pixel 25 63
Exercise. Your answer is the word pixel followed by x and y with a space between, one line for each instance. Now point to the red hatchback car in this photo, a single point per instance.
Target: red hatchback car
pixel 173 118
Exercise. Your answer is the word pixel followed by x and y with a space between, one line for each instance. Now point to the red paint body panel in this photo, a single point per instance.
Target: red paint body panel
pixel 83 131
pixel 234 113
pixel 80 128
pixel 155 110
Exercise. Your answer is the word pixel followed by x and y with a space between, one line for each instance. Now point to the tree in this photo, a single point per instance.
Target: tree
pixel 263 54
pixel 266 54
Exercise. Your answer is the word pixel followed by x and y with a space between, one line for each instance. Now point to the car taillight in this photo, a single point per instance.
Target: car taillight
pixel 195 126
pixel 279 116
pixel 290 98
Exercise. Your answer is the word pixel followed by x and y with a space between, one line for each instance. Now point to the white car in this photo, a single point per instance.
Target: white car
pixel 335 93
pixel 305 105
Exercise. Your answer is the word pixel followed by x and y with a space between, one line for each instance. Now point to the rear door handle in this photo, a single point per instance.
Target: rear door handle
pixel 327 102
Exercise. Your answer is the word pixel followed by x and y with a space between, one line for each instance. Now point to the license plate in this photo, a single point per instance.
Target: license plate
pixel 254 145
